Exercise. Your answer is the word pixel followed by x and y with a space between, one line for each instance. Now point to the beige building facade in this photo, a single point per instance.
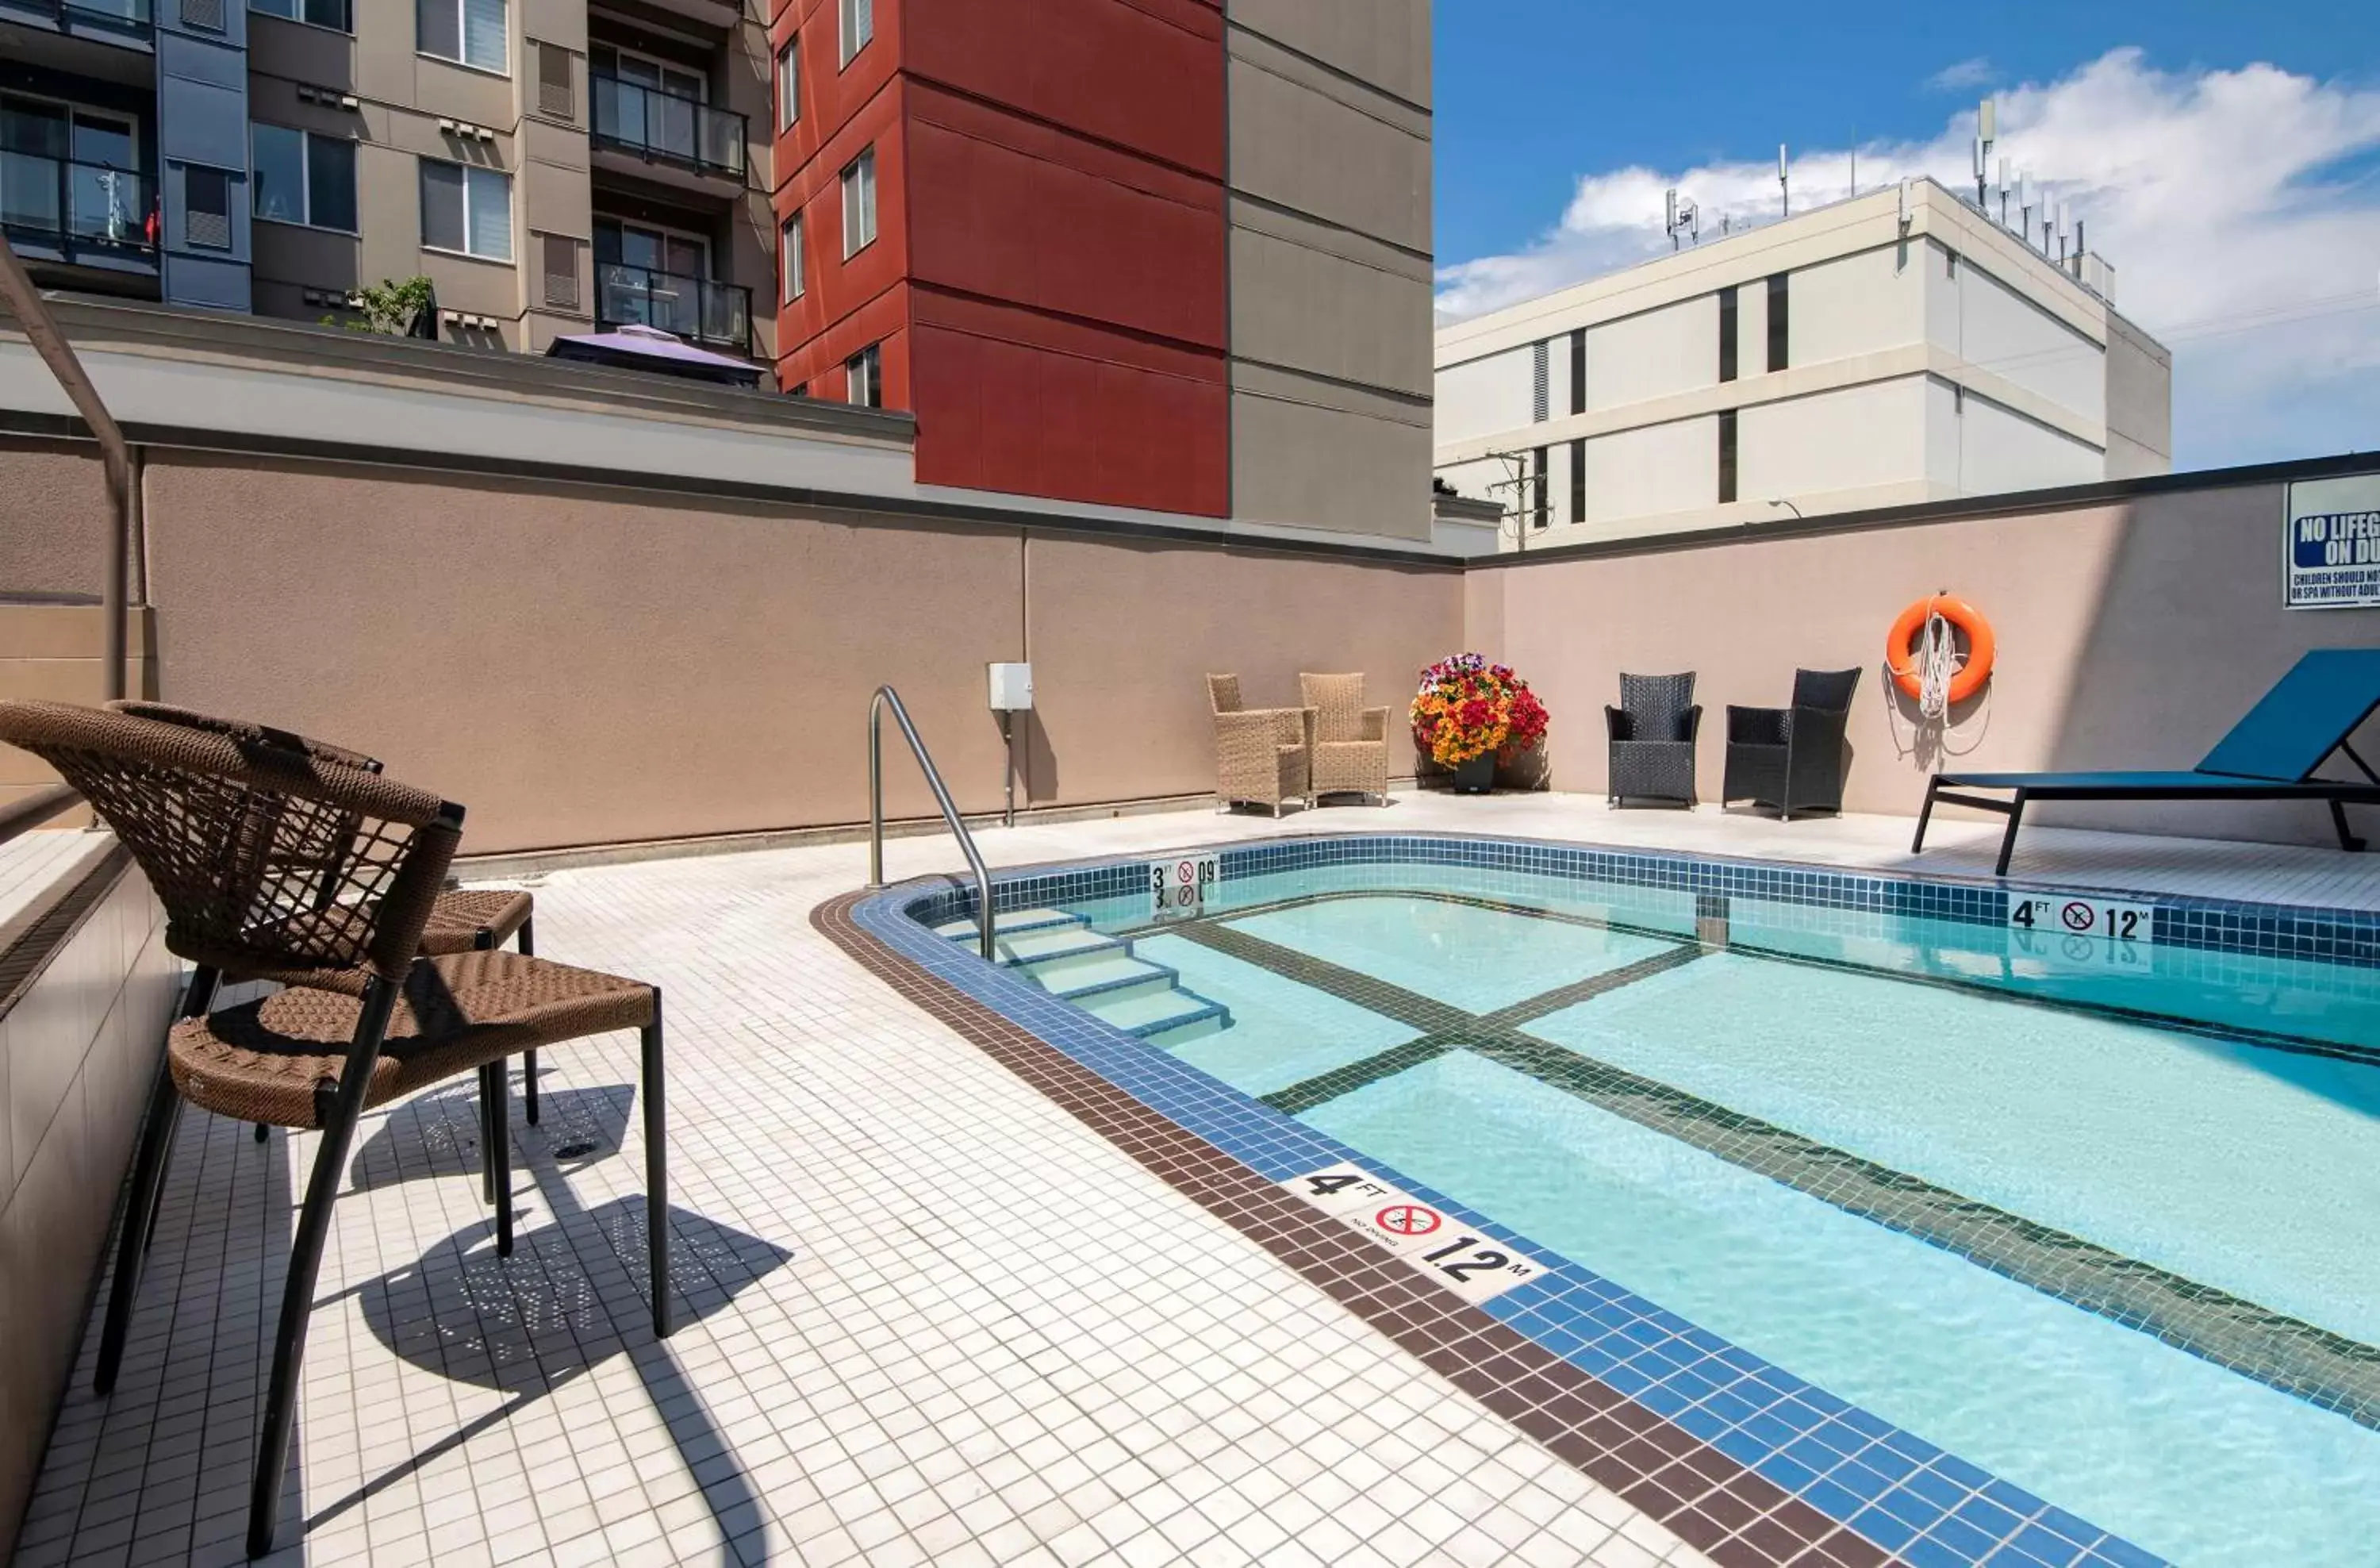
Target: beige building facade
pixel 611 165
pixel 1893 349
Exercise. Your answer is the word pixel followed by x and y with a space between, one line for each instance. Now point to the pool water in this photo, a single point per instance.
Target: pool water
pixel 2039 1132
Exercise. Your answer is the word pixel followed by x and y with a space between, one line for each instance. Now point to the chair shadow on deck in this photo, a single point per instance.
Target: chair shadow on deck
pixel 569 1299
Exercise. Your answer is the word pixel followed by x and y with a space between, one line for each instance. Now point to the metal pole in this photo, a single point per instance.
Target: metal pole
pixel 49 340
pixel 885 696
pixel 876 788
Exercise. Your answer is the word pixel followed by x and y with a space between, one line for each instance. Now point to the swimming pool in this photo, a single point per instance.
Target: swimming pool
pixel 1961 1231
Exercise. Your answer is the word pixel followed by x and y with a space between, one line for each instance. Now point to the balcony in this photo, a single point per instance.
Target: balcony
pixel 663 128
pixel 119 19
pixel 81 215
pixel 716 315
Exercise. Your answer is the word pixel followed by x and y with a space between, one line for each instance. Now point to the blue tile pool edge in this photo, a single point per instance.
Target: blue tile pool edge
pixel 1900 1491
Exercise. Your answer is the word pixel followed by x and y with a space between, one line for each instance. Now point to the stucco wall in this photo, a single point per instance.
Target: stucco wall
pixel 2129 637
pixel 592 665
pixel 52 532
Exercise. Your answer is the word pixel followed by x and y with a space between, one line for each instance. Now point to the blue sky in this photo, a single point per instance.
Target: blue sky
pixel 2226 154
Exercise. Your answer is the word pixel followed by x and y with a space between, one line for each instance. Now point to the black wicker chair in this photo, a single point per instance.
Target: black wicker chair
pixel 1792 758
pixel 1653 734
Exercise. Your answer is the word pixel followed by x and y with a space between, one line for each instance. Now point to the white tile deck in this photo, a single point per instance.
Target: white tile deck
pixel 929 1316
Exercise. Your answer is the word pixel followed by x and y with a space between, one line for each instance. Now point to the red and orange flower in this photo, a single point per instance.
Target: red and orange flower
pixel 1467 709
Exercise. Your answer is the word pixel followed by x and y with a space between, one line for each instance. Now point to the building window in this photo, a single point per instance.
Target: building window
pixel 1578 371
pixel 1726 457
pixel 1540 511
pixel 1578 482
pixel 859 205
pixel 338 15
pixel 1728 330
pixel 302 178
pixel 858 26
pixel 864 373
pixel 789 259
pixel 1778 338
pixel 206 208
pixel 467 209
pixel 1538 372
pixel 469 32
pixel 789 84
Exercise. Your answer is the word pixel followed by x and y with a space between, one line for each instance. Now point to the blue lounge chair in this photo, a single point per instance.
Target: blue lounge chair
pixel 2269 755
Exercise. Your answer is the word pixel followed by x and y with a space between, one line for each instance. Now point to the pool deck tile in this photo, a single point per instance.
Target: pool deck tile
pixel 932 1314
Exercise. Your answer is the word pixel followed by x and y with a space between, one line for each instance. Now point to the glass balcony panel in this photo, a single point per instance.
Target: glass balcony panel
pixel 668 126
pixel 718 315
pixel 107 204
pixel 30 196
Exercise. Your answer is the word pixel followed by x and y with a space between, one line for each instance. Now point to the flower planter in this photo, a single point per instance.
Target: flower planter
pixel 1468 707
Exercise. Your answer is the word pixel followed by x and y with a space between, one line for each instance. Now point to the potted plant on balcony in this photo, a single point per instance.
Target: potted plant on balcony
pixel 1470 713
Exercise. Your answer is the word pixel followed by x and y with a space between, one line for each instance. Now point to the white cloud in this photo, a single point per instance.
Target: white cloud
pixel 1959 77
pixel 2219 196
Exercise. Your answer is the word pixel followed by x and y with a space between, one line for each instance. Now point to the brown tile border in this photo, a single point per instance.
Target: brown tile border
pixel 1736 1517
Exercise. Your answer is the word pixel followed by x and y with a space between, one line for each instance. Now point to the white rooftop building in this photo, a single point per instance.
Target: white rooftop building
pixel 1881 351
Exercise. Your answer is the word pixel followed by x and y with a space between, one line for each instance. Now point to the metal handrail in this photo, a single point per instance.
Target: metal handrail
pixel 23 816
pixel 886 697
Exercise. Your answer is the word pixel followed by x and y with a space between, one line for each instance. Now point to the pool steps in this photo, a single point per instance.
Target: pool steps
pixel 1064 956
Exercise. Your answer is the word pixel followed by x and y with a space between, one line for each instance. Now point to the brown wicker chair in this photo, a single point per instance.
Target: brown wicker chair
pixel 463 920
pixel 1262 755
pixel 1351 741
pixel 275 862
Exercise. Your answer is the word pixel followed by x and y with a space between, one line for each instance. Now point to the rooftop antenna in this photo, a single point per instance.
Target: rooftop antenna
pixel 1987 132
pixel 2065 226
pixel 1784 183
pixel 2004 188
pixel 1685 218
pixel 1854 160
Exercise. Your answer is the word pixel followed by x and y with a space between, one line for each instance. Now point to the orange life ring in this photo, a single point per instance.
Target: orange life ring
pixel 1898 644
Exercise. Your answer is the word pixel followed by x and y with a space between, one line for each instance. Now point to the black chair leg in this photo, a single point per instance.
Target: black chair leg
pixel 495 1093
pixel 656 1169
pixel 1925 815
pixel 527 943
pixel 488 1133
pixel 2008 841
pixel 143 1199
pixel 2347 836
pixel 344 1109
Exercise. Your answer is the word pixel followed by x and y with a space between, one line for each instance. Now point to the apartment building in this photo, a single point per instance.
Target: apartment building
pixel 1893 348
pixel 1167 255
pixel 551 166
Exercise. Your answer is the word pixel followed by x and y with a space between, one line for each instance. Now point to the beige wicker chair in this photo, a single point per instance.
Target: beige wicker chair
pixel 1263 756
pixel 1351 741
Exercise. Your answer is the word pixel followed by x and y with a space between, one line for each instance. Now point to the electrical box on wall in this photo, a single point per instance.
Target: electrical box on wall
pixel 1012 688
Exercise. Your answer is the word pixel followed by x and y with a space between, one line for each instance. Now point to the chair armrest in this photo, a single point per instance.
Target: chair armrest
pixel 1619 723
pixel 1280 726
pixel 1376 725
pixel 1694 723
pixel 1758 727
pixel 1817 726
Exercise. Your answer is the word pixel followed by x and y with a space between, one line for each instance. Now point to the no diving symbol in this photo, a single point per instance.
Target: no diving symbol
pixel 2078 916
pixel 1407 1220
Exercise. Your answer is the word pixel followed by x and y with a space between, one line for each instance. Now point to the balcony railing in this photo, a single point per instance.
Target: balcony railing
pixel 718 315
pixel 664 125
pixel 87 211
pixel 129 17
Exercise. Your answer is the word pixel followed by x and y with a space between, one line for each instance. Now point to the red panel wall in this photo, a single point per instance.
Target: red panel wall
pixel 1016 211
pixel 1016 402
pixel 1049 282
pixel 1146 75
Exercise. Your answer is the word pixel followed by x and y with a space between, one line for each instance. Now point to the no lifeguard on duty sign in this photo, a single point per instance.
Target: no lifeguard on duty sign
pixel 2333 546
